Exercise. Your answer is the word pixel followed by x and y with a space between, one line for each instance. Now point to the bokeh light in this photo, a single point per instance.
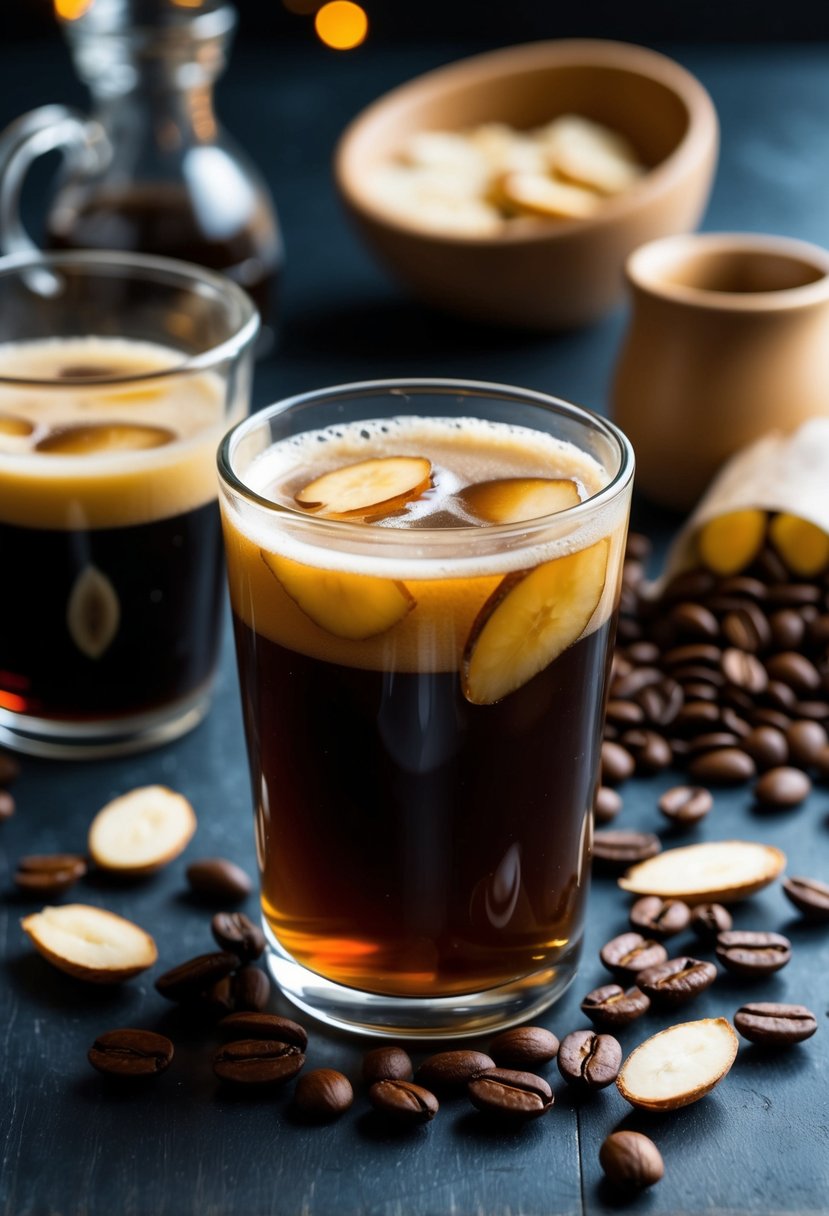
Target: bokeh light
pixel 341 24
pixel 70 10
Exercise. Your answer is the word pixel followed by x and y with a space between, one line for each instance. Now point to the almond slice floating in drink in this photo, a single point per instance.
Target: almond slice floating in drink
pixel 354 489
pixel 353 606
pixel 510 500
pixel 141 831
pixel 719 871
pixel 679 1065
pixel 92 438
pixel 16 428
pixel 90 943
pixel 729 543
pixel 538 195
pixel 531 617
pixel 803 546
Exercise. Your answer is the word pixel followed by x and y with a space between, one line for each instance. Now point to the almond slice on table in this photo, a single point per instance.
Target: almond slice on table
pixel 141 831
pixel 511 500
pixel 679 1065
pixel 388 481
pixel 530 618
pixel 90 943
pixel 538 195
pixel 353 606
pixel 729 543
pixel 719 871
pixel 803 546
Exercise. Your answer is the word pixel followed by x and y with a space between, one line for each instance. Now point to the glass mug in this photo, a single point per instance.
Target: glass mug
pixel 424 578
pixel 119 373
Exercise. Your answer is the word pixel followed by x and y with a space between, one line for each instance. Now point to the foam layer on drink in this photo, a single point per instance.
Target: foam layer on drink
pixel 76 453
pixel 327 588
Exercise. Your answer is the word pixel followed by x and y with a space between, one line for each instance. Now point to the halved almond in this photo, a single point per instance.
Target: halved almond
pixel 354 606
pixel 721 871
pixel 530 618
pixel 93 438
pixel 510 500
pixel 679 1065
pixel 539 195
pixel 590 154
pixel 803 546
pixel 141 831
pixel 388 481
pixel 729 543
pixel 90 943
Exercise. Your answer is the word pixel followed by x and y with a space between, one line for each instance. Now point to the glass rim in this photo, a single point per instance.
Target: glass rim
pixel 139 266
pixel 423 385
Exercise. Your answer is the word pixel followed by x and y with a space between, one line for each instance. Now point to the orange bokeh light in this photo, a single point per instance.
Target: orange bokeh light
pixel 341 24
pixel 70 10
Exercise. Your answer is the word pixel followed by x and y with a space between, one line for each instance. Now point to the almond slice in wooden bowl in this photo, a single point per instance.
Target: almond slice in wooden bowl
pixel 90 943
pixel 679 1065
pixel 721 871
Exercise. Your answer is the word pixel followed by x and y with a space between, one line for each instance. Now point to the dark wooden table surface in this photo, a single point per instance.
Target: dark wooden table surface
pixel 71 1145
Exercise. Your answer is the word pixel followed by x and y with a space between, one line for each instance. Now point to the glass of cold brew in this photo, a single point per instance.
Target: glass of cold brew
pixel 424 578
pixel 119 373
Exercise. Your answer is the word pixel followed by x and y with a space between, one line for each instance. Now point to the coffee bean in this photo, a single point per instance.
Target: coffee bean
pixel 817 632
pixel 617 849
pixel 809 896
pixel 676 981
pixel 195 976
pixel 630 953
pixel 686 803
pixel 767 747
pixel 403 1102
pixel 637 547
pixel 771 569
pixel 764 715
pixel 806 740
pixel 590 1060
pixel 219 879
pixel 694 621
pixel 617 764
pixel 753 953
pixel 661 702
pixel 743 586
pixel 264 1026
pixel 696 717
pixel 524 1047
pixel 782 787
pixel 651 753
pixel 9 769
pixel 6 805
pixel 510 1095
pixel 710 741
pixel 747 629
pixel 624 713
pixel 257 1062
pixel 323 1094
pixel 744 671
pixel 49 873
pixel 787 629
pixel 611 1006
pixel 696 653
pixel 449 1071
pixel 812 711
pixel 626 686
pixel 780 696
pixel 795 670
pixel 236 933
pixel 642 654
pixel 251 990
pixel 218 1000
pixel 387 1064
pixel 131 1053
pixel 726 766
pixel 689 585
pixel 732 721
pixel 607 805
pixel 793 595
pixel 770 1024
pixel 631 1161
pixel 709 920
pixel 659 918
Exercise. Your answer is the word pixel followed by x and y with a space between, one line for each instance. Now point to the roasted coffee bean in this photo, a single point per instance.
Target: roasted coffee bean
pixel 710 741
pixel 624 713
pixel 219 879
pixel 630 953
pixel 49 873
pixel 590 1060
pixel 9 769
pixel 607 805
pixel 257 1062
pixel 793 595
pixel 702 653
pixel 661 702
pixel 694 621
pixel 659 918
pixel 787 629
pixel 726 766
pixel 695 691
pixel 626 686
pixel 806 740
pixel 730 720
pixel 610 731
pixel 770 1024
pixel 637 547
pixel 131 1053
pixel 744 671
pixel 235 932
pixel 617 849
pixel 782 787
pixel 619 666
pixel 686 803
pixel 780 696
pixel 507 1094
pixel 264 1026
pixel 809 896
pixel 676 981
pixel 767 747
pixel 323 1094
pixel 610 1005
pixel 708 921
pixel 696 717
pixel 6 805
pixel 642 654
pixel 403 1102
pixel 524 1047
pixel 651 753
pixel 747 629
pixel 631 1161
pixel 753 953
pixel 795 670
pixel 743 586
pixel 617 764
pixel 197 975
pixel 689 585
pixel 817 631
pixel 628 630
pixel 737 699
pixel 251 990
pixel 387 1064
pixel 764 715
pixel 449 1071
pixel 771 569
pixel 218 1000
pixel 812 711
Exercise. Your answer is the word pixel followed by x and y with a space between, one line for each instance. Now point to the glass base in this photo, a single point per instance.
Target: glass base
pixel 91 740
pixel 454 1017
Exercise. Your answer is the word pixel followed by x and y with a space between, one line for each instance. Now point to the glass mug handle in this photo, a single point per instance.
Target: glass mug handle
pixel 82 141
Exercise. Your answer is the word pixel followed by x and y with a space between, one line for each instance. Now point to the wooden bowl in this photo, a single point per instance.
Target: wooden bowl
pixel 539 273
